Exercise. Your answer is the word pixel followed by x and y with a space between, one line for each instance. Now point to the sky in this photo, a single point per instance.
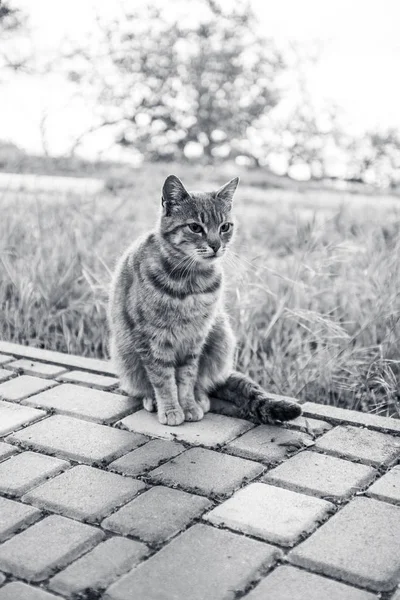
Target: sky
pixel 358 68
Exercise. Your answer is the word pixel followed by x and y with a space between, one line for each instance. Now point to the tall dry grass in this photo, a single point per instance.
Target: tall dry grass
pixel 313 290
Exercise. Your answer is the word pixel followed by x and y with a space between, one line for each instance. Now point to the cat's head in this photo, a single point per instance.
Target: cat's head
pixel 197 224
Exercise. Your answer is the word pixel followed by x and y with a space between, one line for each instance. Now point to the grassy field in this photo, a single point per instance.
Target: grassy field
pixel 313 282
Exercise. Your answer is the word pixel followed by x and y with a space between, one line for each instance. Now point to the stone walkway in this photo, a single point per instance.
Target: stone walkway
pixel 98 500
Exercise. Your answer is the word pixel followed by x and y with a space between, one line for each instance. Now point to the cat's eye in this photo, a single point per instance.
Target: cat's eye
pixel 195 227
pixel 225 227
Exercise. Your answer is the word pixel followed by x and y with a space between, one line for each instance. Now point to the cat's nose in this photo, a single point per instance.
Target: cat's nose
pixel 215 246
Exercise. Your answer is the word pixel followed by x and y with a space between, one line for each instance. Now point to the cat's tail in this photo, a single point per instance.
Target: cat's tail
pixel 251 402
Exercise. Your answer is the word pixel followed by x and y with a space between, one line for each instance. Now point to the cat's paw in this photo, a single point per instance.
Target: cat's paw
pixel 284 410
pixel 149 404
pixel 172 416
pixel 193 413
pixel 204 402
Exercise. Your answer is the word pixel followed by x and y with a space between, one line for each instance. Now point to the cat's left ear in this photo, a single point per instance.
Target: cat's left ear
pixel 173 193
pixel 227 191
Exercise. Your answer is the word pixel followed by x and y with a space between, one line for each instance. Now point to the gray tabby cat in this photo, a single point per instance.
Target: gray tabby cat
pixel 171 341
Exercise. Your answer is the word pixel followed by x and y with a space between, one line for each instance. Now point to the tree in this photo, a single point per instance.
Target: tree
pixel 375 158
pixel 173 86
pixel 12 22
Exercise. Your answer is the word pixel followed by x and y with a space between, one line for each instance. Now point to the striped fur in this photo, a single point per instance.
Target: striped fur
pixel 171 340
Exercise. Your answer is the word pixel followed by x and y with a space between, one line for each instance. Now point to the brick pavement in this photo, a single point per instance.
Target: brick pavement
pixel 98 500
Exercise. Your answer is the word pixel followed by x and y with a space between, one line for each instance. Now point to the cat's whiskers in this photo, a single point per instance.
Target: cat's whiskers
pixel 182 261
pixel 188 270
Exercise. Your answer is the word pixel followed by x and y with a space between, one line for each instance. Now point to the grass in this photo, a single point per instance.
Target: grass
pixel 313 282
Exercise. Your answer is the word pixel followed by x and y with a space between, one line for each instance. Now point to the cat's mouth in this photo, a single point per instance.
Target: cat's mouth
pixel 211 257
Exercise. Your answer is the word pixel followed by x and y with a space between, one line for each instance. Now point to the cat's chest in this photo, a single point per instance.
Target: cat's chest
pixel 195 305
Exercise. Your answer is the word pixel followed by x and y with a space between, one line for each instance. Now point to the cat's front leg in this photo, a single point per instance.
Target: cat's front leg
pixel 186 376
pixel 162 378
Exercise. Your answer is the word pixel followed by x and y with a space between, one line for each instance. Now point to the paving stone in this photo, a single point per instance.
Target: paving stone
pixel 5 359
pixel 21 387
pixel 84 493
pixel 78 440
pixel 369 447
pixel 213 564
pixel 13 416
pixel 5 374
pixel 271 513
pixel 313 427
pixel 74 400
pixel 288 583
pixel 58 358
pixel 102 382
pixel 32 367
pixel 60 541
pixel 99 567
pixel 387 487
pixel 14 515
pixel 2 578
pixel 352 417
pixel 359 545
pixel 269 443
pixel 26 470
pixel 211 431
pixel 6 450
pixel 321 475
pixel 156 515
pixel 21 591
pixel 206 472
pixel 147 457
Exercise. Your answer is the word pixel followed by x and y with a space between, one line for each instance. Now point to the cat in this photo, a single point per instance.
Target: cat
pixel 171 340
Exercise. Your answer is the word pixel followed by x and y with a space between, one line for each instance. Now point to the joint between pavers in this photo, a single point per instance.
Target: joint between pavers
pixel 380 498
pixel 157 546
pixel 30 395
pixel 144 472
pixel 221 447
pixel 112 389
pixel 59 411
pixel 213 497
pixel 302 490
pixel 53 357
pixel 37 585
pixel 118 507
pixel 12 374
pixel 18 498
pixel 334 575
pixel 222 526
pixel 343 421
pixel 25 446
pixel 262 572
pixel 35 519
pixel 286 561
pixel 268 464
pixel 358 461
pixel 21 427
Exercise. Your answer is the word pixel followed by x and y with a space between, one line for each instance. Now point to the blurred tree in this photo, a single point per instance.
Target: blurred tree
pixel 374 158
pixel 12 22
pixel 306 138
pixel 9 17
pixel 181 86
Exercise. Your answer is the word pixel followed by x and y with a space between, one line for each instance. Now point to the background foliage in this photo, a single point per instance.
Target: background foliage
pixel 214 89
pixel 314 277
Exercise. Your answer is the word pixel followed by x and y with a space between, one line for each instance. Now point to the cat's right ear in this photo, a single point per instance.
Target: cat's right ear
pixel 173 193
